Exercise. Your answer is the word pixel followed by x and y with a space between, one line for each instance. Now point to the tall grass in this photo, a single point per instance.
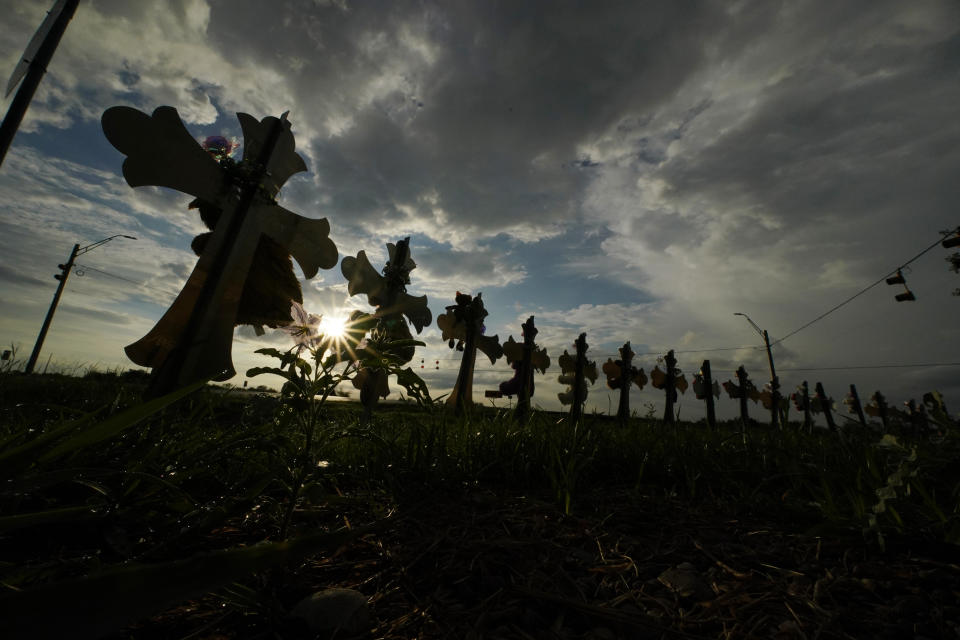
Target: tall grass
pixel 108 499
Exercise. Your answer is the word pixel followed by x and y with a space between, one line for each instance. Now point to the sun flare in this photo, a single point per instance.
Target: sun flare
pixel 333 326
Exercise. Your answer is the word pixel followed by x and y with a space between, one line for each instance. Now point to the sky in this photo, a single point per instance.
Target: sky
pixel 637 171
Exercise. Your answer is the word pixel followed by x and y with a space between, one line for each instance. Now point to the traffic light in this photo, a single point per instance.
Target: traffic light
pixel 64 268
pixel 907 295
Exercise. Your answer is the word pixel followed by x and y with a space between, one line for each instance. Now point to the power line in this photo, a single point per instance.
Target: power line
pixel 83 267
pixel 861 292
pixel 880 366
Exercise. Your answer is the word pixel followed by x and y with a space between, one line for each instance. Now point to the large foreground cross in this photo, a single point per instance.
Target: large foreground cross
pixel 193 339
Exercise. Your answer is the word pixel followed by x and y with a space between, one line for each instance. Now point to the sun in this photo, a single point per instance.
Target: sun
pixel 333 327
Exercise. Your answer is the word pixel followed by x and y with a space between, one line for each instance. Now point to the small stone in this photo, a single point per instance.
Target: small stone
pixel 685 581
pixel 333 609
pixel 910 606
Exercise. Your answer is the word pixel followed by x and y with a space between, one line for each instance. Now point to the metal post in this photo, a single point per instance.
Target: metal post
pixel 38 65
pixel 62 277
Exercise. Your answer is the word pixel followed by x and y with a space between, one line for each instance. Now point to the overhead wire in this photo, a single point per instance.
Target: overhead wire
pixel 83 267
pixel 862 291
pixel 878 366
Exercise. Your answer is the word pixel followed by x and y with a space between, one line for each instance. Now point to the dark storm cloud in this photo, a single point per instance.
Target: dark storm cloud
pixel 854 129
pixel 476 109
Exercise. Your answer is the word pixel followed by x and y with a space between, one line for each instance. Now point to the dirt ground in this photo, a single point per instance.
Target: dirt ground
pixel 475 565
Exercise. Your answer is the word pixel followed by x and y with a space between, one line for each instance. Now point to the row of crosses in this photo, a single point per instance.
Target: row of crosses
pixel 244 275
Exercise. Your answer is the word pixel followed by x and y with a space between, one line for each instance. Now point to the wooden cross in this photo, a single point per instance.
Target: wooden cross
pixel 852 401
pixel 388 293
pixel 670 381
pixel 575 370
pixel 706 388
pixel 621 374
pixel 193 339
pixel 524 357
pixel 743 389
pixel 462 327
pixel 825 406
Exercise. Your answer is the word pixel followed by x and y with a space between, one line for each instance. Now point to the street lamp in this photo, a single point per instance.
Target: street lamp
pixel 62 277
pixel 774 381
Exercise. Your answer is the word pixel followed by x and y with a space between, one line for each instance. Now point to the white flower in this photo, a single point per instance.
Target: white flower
pixel 304 328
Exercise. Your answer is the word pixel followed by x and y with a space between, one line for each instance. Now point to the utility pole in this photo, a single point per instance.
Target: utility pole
pixel 62 277
pixel 34 63
pixel 774 380
pixel 774 385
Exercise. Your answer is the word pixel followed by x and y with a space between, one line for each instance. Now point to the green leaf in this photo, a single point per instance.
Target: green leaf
pixel 414 384
pixel 256 371
pixel 269 351
pixel 65 514
pixel 118 423
pixel 399 344
pixel 14 459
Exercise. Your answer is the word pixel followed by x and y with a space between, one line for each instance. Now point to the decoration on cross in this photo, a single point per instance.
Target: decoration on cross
pixel 735 390
pixel 700 389
pixel 243 274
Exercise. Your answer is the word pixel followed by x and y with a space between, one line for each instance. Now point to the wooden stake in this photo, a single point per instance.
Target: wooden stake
pixel 882 407
pixel 708 388
pixel 525 371
pixel 825 407
pixel 743 381
pixel 579 385
pixel 856 405
pixel 626 381
pixel 670 386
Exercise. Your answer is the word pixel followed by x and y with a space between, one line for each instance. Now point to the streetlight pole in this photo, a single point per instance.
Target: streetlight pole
pixel 36 58
pixel 62 277
pixel 774 380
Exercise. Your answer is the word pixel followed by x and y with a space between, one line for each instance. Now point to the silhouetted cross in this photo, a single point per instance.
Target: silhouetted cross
pixel 194 337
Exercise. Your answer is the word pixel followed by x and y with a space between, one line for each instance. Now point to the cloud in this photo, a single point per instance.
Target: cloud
pixel 637 171
pixel 100 315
